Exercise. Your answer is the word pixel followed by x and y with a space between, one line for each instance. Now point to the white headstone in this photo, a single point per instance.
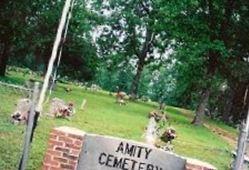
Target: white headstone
pixel 109 153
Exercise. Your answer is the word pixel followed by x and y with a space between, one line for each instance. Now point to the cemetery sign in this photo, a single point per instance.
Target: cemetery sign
pixel 109 153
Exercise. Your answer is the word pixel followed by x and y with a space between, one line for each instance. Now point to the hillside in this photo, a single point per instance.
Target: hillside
pixel 103 116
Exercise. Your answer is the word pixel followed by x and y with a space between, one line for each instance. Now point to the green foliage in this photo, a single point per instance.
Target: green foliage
pixel 114 77
pixel 133 30
pixel 191 46
pixel 32 32
pixel 206 53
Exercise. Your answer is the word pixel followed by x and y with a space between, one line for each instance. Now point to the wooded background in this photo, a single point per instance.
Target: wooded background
pixel 188 53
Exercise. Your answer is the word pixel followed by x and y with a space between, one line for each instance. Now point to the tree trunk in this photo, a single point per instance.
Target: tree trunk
pixel 201 107
pixel 141 62
pixel 240 103
pixel 161 106
pixel 136 79
pixel 3 59
pixel 46 57
pixel 227 109
pixel 212 66
pixel 38 59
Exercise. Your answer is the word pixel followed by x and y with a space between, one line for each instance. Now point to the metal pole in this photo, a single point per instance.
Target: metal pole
pixel 242 145
pixel 69 16
pixel 54 54
pixel 29 129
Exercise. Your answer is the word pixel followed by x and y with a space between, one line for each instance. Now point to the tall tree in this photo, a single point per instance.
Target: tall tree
pixel 202 32
pixel 206 32
pixel 27 32
pixel 12 26
pixel 221 25
pixel 133 29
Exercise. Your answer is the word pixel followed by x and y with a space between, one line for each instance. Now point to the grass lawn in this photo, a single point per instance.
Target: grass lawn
pixel 103 116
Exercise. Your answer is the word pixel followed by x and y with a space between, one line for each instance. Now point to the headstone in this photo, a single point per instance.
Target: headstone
pixel 22 110
pixel 150 134
pixel 109 153
pixel 83 104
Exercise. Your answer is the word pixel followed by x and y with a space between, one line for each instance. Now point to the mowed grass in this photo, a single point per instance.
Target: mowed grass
pixel 199 142
pixel 103 116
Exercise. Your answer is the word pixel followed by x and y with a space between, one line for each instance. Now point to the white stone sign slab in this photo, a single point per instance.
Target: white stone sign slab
pixel 109 153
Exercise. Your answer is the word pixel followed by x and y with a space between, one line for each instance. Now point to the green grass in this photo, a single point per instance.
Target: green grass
pixel 198 142
pixel 103 116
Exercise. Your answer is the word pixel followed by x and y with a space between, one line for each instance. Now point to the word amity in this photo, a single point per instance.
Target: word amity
pixel 133 153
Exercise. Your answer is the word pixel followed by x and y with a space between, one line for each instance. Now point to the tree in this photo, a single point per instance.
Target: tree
pixel 162 85
pixel 12 28
pixel 202 33
pixel 221 24
pixel 114 75
pixel 28 31
pixel 78 60
pixel 207 40
pixel 133 29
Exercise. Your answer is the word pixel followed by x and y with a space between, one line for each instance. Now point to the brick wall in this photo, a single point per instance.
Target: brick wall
pixel 64 147
pixel 193 164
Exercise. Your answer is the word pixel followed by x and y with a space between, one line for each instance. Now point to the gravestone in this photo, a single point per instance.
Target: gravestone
pixel 109 153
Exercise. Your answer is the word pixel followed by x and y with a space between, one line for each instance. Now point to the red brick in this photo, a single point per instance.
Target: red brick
pixel 193 167
pixel 65 139
pixel 75 152
pixel 72 146
pixel 50 146
pixel 54 153
pixel 75 136
pixel 67 166
pixel 55 142
pixel 69 145
pixel 76 147
pixel 205 168
pixel 64 150
pixel 53 136
pixel 47 158
pixel 69 156
pixel 59 133
pixel 78 142
pixel 53 163
pixel 74 163
pixel 53 168
pixel 59 159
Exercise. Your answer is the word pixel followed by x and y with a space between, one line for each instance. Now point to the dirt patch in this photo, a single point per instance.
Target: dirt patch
pixel 224 134
pixel 227 136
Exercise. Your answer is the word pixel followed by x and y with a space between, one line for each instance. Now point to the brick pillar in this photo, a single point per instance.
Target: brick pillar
pixel 194 164
pixel 63 149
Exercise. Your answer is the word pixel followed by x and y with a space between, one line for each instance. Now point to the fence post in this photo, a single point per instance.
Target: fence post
pixel 241 147
pixel 29 129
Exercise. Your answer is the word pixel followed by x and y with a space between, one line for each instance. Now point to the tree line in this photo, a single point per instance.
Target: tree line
pixel 188 53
